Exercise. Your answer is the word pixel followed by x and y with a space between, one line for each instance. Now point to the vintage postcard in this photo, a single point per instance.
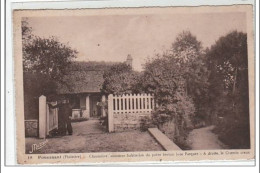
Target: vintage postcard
pixel 134 84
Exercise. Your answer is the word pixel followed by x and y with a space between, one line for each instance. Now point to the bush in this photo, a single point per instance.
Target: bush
pixel 182 142
pixel 174 126
pixel 156 120
pixel 146 122
pixel 235 135
pixel 120 79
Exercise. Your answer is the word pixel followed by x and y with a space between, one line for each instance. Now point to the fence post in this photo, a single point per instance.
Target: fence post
pixel 110 113
pixel 56 115
pixel 87 106
pixel 103 99
pixel 42 116
pixel 131 103
pixel 134 109
pixel 47 120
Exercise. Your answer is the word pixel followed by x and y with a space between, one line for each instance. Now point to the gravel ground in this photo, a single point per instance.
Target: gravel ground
pixel 204 139
pixel 89 136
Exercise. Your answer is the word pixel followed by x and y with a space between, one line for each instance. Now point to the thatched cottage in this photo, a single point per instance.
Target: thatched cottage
pixel 83 87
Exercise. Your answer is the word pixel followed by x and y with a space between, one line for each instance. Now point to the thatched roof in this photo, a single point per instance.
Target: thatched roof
pixel 84 77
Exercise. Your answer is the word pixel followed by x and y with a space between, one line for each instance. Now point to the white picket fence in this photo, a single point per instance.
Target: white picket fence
pixel 129 103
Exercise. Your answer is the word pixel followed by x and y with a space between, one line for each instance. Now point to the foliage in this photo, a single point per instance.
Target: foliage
pixel 48 56
pixel 179 81
pixel 35 85
pixel 45 61
pixel 119 79
pixel 189 82
pixel 186 47
pixel 90 65
pixel 228 88
pixel 164 78
pixel 26 32
pixel 145 123
pixel 192 61
pixel 228 60
pixel 45 56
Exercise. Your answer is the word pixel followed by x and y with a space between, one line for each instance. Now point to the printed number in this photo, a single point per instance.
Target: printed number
pixel 29 157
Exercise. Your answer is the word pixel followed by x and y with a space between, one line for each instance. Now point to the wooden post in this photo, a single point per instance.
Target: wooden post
pixel 116 104
pixel 147 102
pixel 138 103
pixel 47 120
pixel 87 107
pixel 110 113
pixel 120 104
pixel 127 103
pixel 134 97
pixel 103 99
pixel 56 116
pixel 123 108
pixel 131 103
pixel 142 102
pixel 42 116
pixel 152 103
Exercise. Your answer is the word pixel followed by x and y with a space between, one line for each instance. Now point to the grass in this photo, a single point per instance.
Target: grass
pixel 104 142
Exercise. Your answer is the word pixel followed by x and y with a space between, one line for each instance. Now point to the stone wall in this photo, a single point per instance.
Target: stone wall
pixel 31 128
pixel 128 121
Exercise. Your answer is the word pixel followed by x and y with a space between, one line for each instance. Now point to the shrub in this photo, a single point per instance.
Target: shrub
pixel 145 123
pixel 228 63
pixel 182 142
pixel 120 79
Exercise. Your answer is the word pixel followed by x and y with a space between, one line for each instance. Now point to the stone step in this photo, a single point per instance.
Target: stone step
pixel 163 140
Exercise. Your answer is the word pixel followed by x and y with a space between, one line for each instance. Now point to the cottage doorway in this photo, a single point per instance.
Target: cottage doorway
pixel 95 110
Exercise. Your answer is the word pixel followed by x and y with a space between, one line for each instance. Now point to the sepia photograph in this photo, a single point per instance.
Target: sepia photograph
pixel 135 80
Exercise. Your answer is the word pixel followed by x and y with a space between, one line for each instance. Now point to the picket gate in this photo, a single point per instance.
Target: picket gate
pixel 128 103
pixel 48 118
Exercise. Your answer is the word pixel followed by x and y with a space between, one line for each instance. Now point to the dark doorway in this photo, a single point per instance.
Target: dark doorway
pixel 95 110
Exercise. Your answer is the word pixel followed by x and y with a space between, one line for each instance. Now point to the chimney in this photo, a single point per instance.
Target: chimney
pixel 129 60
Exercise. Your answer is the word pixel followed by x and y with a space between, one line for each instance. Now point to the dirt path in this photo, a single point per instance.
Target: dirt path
pixel 87 127
pixel 89 136
pixel 204 138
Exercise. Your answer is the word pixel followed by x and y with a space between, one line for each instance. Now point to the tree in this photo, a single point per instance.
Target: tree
pixel 120 79
pixel 48 56
pixel 179 80
pixel 228 79
pixel 45 62
pixel 190 56
pixel 186 47
pixel 164 79
pixel 26 31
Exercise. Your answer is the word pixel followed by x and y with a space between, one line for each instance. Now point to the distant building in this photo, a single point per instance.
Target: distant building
pixel 84 84
pixel 129 60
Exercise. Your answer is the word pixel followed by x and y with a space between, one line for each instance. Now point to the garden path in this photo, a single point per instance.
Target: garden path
pixel 204 139
pixel 90 136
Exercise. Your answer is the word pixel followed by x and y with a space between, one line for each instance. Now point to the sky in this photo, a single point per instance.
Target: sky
pixel 113 37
